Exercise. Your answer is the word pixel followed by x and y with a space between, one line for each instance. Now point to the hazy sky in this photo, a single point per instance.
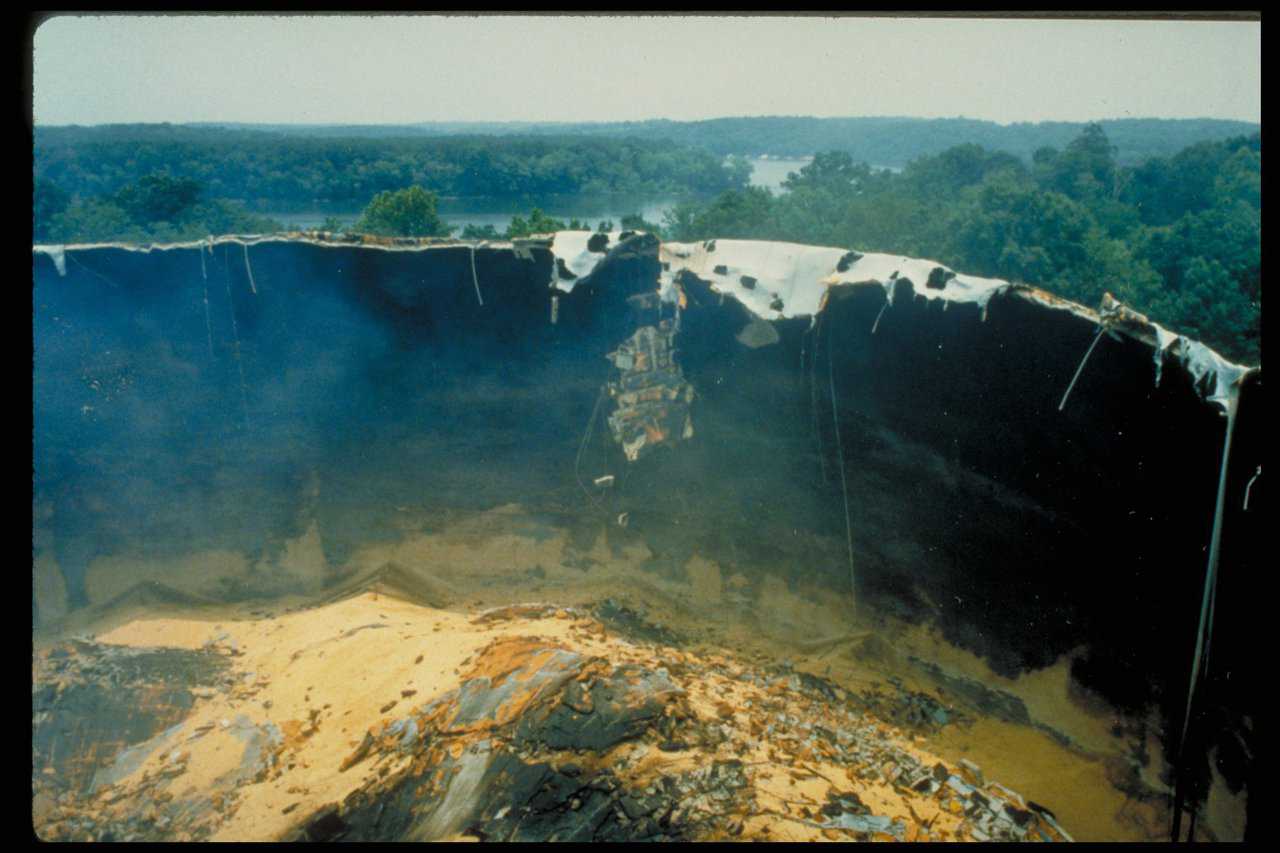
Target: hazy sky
pixel 344 69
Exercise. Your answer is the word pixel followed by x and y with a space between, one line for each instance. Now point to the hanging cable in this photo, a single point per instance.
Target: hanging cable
pixel 208 324
pixel 93 271
pixel 1249 488
pixel 844 485
pixel 813 397
pixel 586 438
pixel 252 284
pixel 235 331
pixel 1200 661
pixel 474 278
pixel 1080 369
pixel 876 324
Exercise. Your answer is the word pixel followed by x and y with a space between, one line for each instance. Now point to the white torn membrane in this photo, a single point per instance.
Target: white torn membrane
pixel 1215 378
pixel 56 253
pixel 780 280
pixel 571 248
pixel 776 280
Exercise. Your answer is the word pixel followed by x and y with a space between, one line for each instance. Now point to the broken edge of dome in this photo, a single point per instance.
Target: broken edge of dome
pixel 316 238
pixel 576 254
pixel 774 280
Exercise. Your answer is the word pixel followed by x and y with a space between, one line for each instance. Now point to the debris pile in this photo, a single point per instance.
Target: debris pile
pixel 528 722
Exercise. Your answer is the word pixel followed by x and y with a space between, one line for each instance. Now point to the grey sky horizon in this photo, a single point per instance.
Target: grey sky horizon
pixel 403 69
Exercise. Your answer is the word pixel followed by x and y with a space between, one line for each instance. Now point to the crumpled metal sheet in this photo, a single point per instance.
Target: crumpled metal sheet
pixel 653 399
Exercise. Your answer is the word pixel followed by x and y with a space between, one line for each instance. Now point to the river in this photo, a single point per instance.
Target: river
pixel 767 172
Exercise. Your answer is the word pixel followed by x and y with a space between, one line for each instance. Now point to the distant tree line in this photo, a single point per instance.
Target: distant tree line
pixel 411 212
pixel 156 208
pixel 879 140
pixel 1179 238
pixel 266 170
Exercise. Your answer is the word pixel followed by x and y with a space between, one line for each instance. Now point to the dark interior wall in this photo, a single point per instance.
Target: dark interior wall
pixel 379 373
pixel 383 379
pixel 1022 530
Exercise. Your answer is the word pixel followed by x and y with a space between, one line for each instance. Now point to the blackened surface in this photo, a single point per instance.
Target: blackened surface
pixel 92 701
pixel 633 625
pixel 617 708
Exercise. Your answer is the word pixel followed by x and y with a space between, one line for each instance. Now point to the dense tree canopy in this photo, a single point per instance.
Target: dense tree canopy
pixel 1178 238
pixel 879 140
pixel 157 208
pixel 410 212
pixel 267 170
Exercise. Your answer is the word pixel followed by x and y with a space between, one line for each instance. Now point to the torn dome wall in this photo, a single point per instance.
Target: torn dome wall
pixel 186 397
pixel 226 395
pixel 977 495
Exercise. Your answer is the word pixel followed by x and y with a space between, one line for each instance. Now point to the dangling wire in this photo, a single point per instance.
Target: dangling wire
pixel 844 485
pixel 876 324
pixel 1204 635
pixel 252 284
pixel 90 270
pixel 813 397
pixel 474 278
pixel 1249 488
pixel 235 331
pixel 1080 369
pixel 586 438
pixel 208 325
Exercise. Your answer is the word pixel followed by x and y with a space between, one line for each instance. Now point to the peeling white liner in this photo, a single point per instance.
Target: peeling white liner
pixel 1202 363
pixel 1213 377
pixel 571 248
pixel 798 276
pixel 426 244
pixel 57 253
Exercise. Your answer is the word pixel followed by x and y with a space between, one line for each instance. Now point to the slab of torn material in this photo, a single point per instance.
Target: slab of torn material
pixel 653 399
pixel 57 254
pixel 1215 378
pixel 577 253
pixel 776 280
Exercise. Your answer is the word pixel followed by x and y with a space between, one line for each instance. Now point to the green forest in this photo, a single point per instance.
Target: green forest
pixel 879 140
pixel 1178 238
pixel 265 170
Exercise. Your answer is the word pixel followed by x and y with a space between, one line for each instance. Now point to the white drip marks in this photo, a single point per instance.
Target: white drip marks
pixel 475 279
pixel 204 276
pixel 248 269
pixel 235 331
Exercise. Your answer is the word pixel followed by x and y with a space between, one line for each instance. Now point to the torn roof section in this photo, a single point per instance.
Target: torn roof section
pixel 778 280
pixel 764 275
pixel 57 252
pixel 578 253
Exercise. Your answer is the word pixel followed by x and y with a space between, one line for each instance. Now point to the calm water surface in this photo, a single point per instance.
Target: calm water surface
pixel 768 172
